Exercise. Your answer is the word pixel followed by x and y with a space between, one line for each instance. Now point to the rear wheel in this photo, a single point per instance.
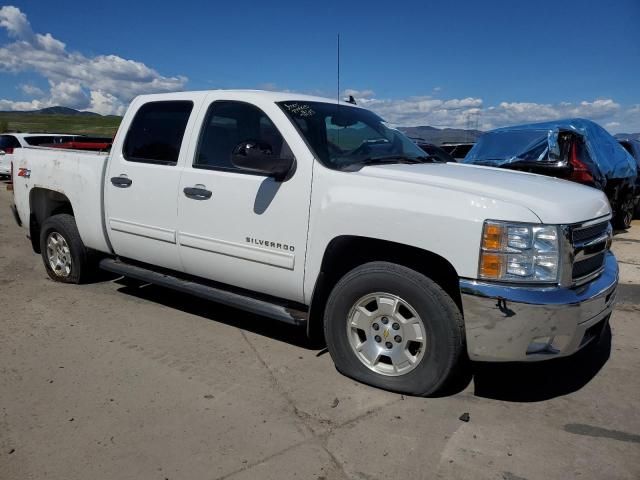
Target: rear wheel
pixel 392 327
pixel 65 257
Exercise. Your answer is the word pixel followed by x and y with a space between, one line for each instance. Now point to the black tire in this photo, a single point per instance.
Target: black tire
pixel 624 213
pixel 81 266
pixel 444 359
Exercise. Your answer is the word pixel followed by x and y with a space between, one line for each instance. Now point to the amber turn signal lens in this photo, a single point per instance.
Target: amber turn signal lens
pixel 490 265
pixel 492 237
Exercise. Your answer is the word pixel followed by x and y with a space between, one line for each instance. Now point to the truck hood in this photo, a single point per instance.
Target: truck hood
pixel 552 200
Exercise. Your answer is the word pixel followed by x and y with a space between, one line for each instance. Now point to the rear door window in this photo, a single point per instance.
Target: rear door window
pixel 156 132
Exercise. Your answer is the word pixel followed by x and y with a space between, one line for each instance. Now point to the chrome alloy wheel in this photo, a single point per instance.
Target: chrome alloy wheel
pixel 58 254
pixel 386 334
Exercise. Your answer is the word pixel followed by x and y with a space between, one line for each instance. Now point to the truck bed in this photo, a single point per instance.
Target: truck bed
pixel 76 174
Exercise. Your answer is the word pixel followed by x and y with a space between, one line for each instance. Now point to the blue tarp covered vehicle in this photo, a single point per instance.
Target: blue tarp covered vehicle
pixel 632 146
pixel 574 149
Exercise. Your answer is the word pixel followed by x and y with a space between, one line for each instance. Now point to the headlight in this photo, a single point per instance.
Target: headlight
pixel 518 252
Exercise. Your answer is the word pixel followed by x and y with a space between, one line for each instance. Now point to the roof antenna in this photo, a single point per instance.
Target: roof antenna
pixel 338 68
pixel 350 100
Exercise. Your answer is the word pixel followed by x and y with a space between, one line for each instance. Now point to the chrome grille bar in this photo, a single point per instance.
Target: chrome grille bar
pixel 588 247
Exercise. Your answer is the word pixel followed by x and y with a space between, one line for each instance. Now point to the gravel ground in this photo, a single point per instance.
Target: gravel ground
pixel 120 380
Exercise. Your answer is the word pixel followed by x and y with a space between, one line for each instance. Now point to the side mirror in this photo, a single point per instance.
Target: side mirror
pixel 257 157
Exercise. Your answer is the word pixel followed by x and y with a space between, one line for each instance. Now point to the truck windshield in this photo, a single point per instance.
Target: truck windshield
pixel 344 137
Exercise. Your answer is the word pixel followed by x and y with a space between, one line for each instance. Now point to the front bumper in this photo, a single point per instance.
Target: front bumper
pixel 512 323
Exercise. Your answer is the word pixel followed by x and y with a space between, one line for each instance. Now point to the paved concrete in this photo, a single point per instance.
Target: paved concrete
pixel 118 380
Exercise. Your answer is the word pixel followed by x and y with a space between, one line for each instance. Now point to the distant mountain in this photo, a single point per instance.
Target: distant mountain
pixel 439 136
pixel 63 111
pixel 56 111
pixel 631 136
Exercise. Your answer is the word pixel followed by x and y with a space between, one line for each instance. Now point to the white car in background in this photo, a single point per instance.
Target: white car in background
pixel 10 141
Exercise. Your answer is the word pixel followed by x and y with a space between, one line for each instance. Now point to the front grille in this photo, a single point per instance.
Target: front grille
pixel 588 266
pixel 589 258
pixel 580 235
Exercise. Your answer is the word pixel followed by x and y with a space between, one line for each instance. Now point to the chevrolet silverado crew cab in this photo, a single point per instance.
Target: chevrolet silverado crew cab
pixel 318 213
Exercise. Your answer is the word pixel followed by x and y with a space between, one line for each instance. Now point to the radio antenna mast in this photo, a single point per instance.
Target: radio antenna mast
pixel 338 96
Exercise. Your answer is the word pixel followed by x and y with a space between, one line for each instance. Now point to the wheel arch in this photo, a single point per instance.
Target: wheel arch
pixel 346 252
pixel 44 203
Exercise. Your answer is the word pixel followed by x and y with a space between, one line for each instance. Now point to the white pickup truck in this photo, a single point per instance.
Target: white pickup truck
pixel 317 213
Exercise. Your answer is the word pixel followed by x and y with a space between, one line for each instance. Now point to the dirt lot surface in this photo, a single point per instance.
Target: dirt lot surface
pixel 117 380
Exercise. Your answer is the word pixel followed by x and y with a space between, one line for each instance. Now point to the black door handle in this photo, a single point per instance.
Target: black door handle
pixel 197 193
pixel 121 182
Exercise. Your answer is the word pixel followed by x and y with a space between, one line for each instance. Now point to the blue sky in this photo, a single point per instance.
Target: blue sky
pixel 438 63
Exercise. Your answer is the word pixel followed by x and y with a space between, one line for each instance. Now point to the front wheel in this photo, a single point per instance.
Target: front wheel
pixel 392 327
pixel 64 255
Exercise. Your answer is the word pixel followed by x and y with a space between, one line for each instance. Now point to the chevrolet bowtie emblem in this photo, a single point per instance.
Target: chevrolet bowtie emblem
pixel 385 333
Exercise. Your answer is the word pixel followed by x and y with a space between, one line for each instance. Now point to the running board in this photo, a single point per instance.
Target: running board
pixel 231 299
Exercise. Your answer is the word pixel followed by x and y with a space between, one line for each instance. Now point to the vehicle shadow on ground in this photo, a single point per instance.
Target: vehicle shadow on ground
pixel 184 302
pixel 620 231
pixel 534 382
pixel 628 293
pixel 515 382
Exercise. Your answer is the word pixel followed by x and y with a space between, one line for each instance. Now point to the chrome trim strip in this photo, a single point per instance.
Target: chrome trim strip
pixel 589 243
pixel 595 221
pixel 587 278
pixel 567 256
pixel 142 230
pixel 238 250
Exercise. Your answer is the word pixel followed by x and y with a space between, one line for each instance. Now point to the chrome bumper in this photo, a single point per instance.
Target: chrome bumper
pixel 510 323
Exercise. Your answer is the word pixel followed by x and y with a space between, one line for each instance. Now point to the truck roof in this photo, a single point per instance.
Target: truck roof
pixel 256 94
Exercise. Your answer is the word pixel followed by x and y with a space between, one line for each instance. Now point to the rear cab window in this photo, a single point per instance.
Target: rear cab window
pixel 156 132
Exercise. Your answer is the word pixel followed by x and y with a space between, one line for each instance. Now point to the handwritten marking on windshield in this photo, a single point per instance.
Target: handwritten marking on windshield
pixel 302 110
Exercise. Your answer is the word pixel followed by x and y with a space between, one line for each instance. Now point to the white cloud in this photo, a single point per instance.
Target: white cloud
pixel 271 87
pixel 104 83
pixel 472 112
pixel 421 110
pixel 358 94
pixel 69 94
pixel 13 105
pixel 31 90
pixel 106 103
pixel 15 22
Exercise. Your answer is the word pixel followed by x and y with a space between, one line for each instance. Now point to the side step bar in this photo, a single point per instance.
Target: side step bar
pixel 232 299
